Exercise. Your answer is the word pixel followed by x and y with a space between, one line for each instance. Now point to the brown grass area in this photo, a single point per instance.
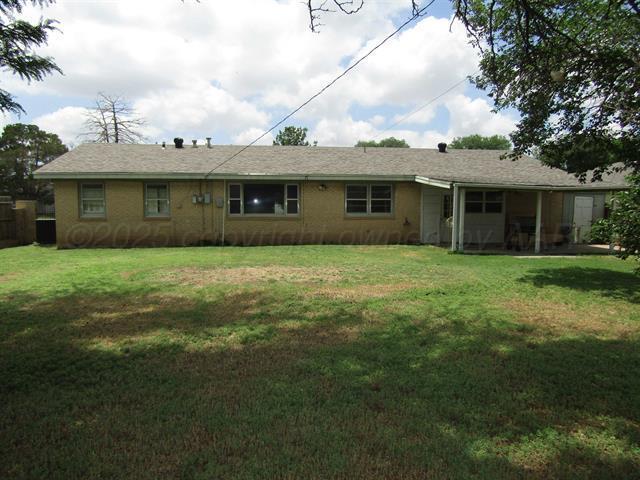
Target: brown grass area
pixel 360 292
pixel 7 277
pixel 564 317
pixel 236 276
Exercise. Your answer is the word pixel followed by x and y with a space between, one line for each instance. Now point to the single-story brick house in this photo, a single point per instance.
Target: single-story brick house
pixel 129 195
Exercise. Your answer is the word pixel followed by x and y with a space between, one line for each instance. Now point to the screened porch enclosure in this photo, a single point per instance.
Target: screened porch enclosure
pixel 481 218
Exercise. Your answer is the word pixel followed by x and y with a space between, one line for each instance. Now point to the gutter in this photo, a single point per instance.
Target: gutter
pixel 315 177
pixel 578 188
pixel 201 176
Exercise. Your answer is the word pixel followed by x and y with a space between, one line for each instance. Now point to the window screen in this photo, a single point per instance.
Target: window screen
pixel 363 199
pixel 156 200
pixel 92 202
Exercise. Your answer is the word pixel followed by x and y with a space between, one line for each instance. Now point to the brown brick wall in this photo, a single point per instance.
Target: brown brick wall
pixel 322 218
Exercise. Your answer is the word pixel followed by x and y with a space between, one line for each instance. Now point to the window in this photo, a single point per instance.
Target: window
pixel 483 202
pixel 362 199
pixel 92 202
pixel 156 200
pixel 264 199
pixel 292 200
pixel 235 199
pixel 447 206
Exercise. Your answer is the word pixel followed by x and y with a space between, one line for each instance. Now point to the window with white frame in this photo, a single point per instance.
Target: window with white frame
pixel 483 202
pixel 368 199
pixel 278 199
pixel 92 204
pixel 156 200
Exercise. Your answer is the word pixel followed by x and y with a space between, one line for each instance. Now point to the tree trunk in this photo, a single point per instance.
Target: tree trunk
pixel 116 138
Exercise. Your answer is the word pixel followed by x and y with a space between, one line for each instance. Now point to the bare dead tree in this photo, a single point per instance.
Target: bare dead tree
pixel 349 7
pixel 113 120
pixel 316 8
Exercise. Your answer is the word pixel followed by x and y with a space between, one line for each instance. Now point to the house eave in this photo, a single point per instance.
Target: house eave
pixel 202 176
pixel 555 188
pixel 439 183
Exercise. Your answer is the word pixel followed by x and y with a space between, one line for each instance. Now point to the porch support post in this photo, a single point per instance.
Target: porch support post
pixel 454 230
pixel 461 202
pixel 538 220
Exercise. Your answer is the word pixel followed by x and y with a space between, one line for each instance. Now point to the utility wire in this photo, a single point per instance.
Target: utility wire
pixel 327 86
pixel 425 105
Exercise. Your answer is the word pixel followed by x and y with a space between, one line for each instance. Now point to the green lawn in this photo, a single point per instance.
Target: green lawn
pixel 317 362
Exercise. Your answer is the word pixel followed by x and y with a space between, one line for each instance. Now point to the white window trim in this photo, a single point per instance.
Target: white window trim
pixel 146 197
pixel 296 198
pixel 82 199
pixel 369 213
pixel 262 215
pixel 230 198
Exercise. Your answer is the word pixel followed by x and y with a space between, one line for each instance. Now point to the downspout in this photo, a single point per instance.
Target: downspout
pixel 456 214
pixel 213 211
pixel 224 207
pixel 204 225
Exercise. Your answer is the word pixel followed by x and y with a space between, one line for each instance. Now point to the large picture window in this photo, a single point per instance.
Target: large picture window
pixel 156 200
pixel 483 202
pixel 369 199
pixel 92 204
pixel 264 199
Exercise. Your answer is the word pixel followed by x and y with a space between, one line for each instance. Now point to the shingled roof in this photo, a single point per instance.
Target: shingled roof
pixel 455 166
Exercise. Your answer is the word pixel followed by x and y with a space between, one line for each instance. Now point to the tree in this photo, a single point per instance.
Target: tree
pixel 292 136
pixel 391 142
pixel 623 225
pixel 570 68
pixel 17 41
pixel 113 120
pixel 478 142
pixel 23 149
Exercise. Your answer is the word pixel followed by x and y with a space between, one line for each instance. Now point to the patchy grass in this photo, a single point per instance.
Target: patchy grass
pixel 317 362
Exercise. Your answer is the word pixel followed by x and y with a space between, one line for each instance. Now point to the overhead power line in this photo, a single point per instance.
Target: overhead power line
pixel 425 105
pixel 417 14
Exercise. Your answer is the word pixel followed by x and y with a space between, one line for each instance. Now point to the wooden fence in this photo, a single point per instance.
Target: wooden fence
pixel 7 222
pixel 17 223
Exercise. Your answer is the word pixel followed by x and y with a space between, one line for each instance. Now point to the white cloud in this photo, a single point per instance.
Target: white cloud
pixel 250 134
pixel 65 122
pixel 377 120
pixel 200 106
pixel 475 116
pixel 228 69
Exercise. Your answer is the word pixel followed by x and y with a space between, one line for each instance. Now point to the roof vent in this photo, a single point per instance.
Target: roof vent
pixel 195 143
pixel 442 147
pixel 208 142
pixel 178 142
pixel 164 145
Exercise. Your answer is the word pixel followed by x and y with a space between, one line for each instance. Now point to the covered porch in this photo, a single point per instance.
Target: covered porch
pixel 500 218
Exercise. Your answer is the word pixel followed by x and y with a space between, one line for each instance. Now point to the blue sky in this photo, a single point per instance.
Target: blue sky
pixel 231 69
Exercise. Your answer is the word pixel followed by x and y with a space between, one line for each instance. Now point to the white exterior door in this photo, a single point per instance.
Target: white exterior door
pixel 431 208
pixel 582 217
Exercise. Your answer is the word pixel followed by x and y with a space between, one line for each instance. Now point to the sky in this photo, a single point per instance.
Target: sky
pixel 230 69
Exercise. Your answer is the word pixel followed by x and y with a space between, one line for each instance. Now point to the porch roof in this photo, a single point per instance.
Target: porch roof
pixel 481 167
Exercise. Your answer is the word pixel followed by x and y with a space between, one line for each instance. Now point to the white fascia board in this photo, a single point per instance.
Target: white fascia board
pixel 433 182
pixel 548 188
pixel 217 176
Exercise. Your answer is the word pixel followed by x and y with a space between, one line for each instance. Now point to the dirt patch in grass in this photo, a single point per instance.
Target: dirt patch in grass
pixel 360 292
pixel 242 275
pixel 7 277
pixel 564 317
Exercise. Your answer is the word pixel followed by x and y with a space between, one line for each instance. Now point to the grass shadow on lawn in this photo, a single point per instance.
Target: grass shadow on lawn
pixel 613 284
pixel 315 395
